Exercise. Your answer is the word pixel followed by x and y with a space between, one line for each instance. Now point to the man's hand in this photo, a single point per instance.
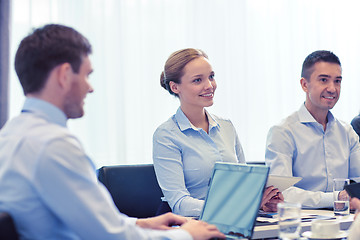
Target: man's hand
pixel 271 197
pixel 199 230
pixel 343 195
pixel 162 222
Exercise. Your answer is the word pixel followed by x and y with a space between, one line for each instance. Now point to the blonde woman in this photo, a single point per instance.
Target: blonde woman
pixel 186 147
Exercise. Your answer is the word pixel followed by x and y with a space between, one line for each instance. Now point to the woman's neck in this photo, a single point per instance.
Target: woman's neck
pixel 197 117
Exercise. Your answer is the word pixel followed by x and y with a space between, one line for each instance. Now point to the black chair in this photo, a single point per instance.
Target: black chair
pixel 134 188
pixel 7 227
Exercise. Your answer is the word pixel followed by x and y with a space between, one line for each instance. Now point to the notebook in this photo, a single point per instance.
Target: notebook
pixel 234 197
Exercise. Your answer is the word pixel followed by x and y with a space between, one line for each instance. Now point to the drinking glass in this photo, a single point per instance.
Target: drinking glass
pixel 341 199
pixel 289 216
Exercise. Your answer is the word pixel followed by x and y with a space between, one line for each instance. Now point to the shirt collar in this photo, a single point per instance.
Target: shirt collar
pixel 184 122
pixel 46 110
pixel 305 115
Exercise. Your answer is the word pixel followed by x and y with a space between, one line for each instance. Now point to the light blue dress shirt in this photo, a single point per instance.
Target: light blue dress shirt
pixel 300 147
pixel 184 157
pixel 49 186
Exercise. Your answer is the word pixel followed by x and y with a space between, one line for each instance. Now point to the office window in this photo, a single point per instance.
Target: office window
pixel 256 48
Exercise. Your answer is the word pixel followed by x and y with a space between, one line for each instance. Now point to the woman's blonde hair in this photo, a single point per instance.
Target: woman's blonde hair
pixel 174 66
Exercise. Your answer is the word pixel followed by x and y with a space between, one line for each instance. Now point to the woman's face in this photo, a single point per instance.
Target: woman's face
pixel 197 86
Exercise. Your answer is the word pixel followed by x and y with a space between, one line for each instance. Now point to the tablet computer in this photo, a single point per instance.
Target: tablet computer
pixel 282 182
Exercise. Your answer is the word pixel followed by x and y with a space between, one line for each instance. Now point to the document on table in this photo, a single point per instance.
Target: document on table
pixel 267 217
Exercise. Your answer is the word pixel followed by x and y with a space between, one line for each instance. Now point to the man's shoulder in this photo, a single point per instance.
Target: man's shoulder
pixel 289 121
pixel 288 128
pixel 33 138
pixel 41 127
pixel 34 129
pixel 343 125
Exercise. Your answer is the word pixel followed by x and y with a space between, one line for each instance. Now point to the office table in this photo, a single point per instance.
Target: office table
pixel 271 231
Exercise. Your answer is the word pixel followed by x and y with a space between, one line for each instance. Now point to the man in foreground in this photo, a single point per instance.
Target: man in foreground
pixel 48 184
pixel 311 143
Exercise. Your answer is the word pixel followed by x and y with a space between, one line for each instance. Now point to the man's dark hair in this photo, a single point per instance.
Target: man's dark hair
pixel 317 56
pixel 46 48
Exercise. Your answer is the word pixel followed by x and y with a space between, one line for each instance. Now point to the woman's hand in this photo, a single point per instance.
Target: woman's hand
pixel 271 197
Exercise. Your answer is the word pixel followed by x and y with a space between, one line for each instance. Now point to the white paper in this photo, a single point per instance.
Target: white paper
pixel 282 182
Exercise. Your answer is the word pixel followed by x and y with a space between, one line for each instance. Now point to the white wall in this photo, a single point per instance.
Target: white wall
pixel 256 47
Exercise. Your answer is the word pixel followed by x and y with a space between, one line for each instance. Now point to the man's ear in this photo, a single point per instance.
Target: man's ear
pixel 174 87
pixel 64 73
pixel 304 84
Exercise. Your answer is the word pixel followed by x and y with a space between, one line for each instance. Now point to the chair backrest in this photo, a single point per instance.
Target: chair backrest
pixel 7 227
pixel 134 188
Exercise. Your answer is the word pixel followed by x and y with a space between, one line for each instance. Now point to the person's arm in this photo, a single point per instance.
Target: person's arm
pixel 163 222
pixel 239 150
pixel 169 170
pixel 280 148
pixel 201 230
pixel 309 199
pixel 354 159
pixel 197 229
pixel 67 184
pixel 355 123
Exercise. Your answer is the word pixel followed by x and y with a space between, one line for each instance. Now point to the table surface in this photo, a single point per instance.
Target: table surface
pixel 271 231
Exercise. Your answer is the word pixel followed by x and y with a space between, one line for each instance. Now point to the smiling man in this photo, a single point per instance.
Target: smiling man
pixel 311 143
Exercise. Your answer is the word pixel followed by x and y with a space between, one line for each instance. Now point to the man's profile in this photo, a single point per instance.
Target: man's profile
pixel 48 183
